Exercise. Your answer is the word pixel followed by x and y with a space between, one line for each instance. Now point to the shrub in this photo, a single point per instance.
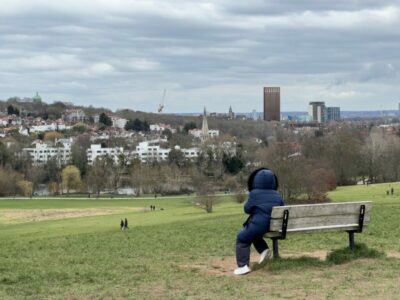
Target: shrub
pixel 25 188
pixel 54 188
pixel 240 197
pixel 206 202
pixel 8 182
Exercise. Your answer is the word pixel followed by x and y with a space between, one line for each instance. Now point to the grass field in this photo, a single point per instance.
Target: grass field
pixel 73 249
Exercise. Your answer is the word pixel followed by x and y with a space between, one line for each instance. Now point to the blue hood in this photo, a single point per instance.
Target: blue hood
pixel 265 180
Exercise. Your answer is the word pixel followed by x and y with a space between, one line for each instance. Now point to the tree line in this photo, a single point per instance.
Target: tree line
pixel 308 165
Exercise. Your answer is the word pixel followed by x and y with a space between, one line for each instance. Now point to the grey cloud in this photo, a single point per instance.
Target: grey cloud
pixel 117 57
pixel 269 7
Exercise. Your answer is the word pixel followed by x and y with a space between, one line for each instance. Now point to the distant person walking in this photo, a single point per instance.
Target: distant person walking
pixel 392 191
pixel 126 224
pixel 122 225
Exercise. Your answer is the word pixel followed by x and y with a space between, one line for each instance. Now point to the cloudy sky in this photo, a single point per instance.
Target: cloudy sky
pixel 124 53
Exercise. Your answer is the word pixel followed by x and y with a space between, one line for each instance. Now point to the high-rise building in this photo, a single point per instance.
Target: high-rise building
pixel 333 114
pixel 317 112
pixel 272 104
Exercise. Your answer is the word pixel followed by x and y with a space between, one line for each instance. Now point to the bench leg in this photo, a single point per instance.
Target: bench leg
pixel 275 248
pixel 351 239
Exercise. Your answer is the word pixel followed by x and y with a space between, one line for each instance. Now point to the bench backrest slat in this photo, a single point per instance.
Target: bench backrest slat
pixel 310 210
pixel 320 217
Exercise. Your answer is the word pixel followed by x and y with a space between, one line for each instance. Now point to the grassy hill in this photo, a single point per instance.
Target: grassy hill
pixel 73 249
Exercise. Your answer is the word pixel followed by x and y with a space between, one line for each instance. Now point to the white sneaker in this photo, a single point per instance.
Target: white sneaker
pixel 242 271
pixel 264 256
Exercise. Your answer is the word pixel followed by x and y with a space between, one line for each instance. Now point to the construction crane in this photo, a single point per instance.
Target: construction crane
pixel 161 106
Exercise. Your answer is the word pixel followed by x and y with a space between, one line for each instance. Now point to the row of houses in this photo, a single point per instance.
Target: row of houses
pixel 69 117
pixel 27 125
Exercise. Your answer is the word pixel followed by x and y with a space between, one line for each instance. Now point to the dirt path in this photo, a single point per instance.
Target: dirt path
pixel 224 266
pixel 30 215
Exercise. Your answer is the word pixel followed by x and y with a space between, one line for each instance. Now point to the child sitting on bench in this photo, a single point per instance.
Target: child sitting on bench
pixel 263 196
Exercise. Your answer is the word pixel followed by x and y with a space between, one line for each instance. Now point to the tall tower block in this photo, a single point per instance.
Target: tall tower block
pixel 272 104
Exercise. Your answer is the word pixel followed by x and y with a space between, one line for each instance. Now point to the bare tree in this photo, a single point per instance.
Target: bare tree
pixel 137 177
pixel 100 174
pixel 53 172
pixel 318 182
pixel 78 152
pixel 205 194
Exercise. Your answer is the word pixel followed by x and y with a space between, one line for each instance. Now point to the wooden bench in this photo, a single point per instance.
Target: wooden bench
pixel 350 217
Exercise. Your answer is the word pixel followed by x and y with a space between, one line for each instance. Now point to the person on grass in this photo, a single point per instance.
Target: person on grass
pixel 122 224
pixel 262 185
pixel 126 224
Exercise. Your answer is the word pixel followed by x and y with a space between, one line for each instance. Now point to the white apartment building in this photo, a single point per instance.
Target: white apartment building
pixel 99 136
pixel 190 153
pixel 42 153
pixel 150 151
pixel 74 115
pixel 212 133
pixel 145 152
pixel 49 127
pixel 198 133
pixel 23 131
pixel 66 142
pixel 161 127
pixel 156 127
pixel 97 151
pixel 119 122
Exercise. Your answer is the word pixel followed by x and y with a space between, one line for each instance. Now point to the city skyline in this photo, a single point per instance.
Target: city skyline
pixel 123 54
pixel 224 110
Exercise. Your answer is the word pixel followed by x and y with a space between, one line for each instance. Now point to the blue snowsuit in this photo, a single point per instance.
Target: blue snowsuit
pixel 262 198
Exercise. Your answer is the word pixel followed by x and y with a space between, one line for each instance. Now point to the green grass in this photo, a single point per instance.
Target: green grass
pixel 345 255
pixel 374 192
pixel 180 253
pixel 336 257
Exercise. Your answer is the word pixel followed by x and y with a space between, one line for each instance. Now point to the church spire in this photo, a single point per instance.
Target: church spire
pixel 231 114
pixel 204 128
